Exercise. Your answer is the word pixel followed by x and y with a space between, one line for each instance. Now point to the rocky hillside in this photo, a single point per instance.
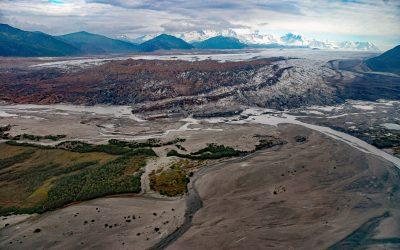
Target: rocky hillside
pixel 387 62
pixel 157 85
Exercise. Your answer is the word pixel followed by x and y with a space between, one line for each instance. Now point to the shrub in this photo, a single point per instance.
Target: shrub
pixel 212 151
pixel 74 182
pixel 112 148
pixel 39 137
pixel 268 142
pixel 172 182
pixel 150 143
pixel 110 178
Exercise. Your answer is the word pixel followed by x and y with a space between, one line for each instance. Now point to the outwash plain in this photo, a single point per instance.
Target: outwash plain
pixel 270 149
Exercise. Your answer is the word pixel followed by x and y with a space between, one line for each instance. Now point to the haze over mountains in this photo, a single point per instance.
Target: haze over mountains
pixel 16 42
pixel 257 39
pixel 220 42
pixel 164 42
pixel 97 44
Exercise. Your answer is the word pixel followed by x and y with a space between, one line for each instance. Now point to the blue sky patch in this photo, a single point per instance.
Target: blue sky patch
pixel 56 1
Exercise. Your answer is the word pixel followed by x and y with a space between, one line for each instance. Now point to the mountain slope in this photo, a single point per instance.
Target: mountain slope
pixel 164 42
pixel 258 39
pixel 220 42
pixel 387 62
pixel 16 42
pixel 90 43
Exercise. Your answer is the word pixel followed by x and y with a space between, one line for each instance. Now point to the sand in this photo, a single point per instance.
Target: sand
pixel 300 196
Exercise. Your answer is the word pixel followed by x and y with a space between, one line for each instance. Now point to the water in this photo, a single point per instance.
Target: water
pixel 260 116
pixel 281 118
pixel 274 118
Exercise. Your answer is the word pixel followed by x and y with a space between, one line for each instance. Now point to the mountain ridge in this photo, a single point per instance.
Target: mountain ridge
pixel 164 42
pixel 389 61
pixel 17 42
pixel 260 40
pixel 90 43
pixel 220 42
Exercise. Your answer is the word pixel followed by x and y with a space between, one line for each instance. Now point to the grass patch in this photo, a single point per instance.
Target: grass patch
pixel 7 162
pixel 39 179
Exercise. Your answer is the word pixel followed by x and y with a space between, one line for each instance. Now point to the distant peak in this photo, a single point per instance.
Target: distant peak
pixel 83 33
pixel 292 36
pixel 164 36
pixel 7 26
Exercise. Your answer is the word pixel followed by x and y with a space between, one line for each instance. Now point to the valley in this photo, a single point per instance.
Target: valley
pixel 180 125
pixel 168 151
pixel 169 225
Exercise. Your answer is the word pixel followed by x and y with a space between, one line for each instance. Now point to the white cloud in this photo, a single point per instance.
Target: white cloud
pixel 370 18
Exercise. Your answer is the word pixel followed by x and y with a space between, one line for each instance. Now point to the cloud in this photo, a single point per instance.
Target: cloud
pixel 56 1
pixel 281 6
pixel 376 19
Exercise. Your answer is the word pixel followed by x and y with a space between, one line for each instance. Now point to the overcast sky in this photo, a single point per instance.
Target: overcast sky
pixel 377 21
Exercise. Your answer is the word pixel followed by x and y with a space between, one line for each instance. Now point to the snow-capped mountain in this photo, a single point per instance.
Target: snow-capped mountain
pixel 143 39
pixel 197 36
pixel 258 39
pixel 297 40
pixel 293 40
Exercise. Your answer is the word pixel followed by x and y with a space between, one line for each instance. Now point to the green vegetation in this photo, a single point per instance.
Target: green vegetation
pixel 37 179
pixel 378 136
pixel 386 140
pixel 266 141
pixel 172 182
pixel 212 151
pixel 111 178
pixel 83 147
pixel 180 147
pixel 6 136
pixel 39 137
pixel 9 161
pixel 151 143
